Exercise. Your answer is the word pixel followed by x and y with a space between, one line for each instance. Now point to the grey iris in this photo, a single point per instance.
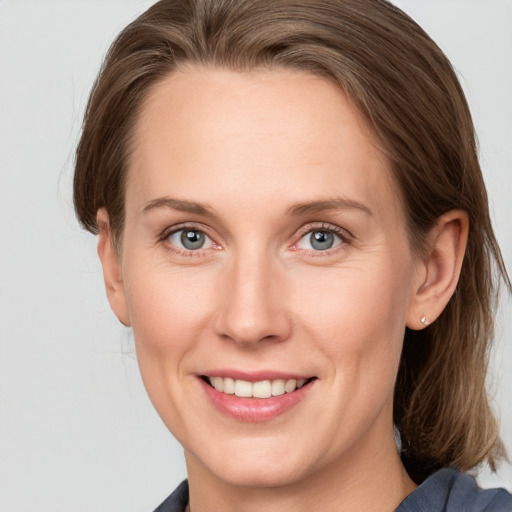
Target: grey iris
pixel 192 239
pixel 321 240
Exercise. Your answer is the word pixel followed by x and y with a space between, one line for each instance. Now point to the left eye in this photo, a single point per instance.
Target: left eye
pixel 190 239
pixel 320 240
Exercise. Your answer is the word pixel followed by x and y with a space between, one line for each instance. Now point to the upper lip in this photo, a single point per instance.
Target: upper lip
pixel 255 376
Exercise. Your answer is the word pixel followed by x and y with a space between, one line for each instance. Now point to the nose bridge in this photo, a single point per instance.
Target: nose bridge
pixel 252 308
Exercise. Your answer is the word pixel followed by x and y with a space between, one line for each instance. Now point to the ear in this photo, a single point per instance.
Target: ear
pixel 111 264
pixel 439 271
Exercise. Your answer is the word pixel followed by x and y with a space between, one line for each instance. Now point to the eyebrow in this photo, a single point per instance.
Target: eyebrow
pixel 309 207
pixel 179 205
pixel 339 203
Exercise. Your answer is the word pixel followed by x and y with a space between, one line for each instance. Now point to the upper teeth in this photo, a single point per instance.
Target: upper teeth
pixel 261 389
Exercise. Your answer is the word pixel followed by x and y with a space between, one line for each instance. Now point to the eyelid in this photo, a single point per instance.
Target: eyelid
pixel 182 226
pixel 192 226
pixel 345 236
pixel 324 226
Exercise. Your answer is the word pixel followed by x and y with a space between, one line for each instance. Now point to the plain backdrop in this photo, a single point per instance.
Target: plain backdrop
pixel 77 431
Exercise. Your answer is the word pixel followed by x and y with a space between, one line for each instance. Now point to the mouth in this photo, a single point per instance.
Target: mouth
pixel 261 389
pixel 257 396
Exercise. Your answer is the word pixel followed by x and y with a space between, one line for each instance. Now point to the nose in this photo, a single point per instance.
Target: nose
pixel 252 302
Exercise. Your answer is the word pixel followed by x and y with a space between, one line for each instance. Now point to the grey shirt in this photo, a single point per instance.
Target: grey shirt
pixel 445 491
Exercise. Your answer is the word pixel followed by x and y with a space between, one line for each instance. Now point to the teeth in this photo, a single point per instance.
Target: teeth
pixel 261 389
pixel 291 385
pixel 277 387
pixel 243 388
pixel 218 383
pixel 229 385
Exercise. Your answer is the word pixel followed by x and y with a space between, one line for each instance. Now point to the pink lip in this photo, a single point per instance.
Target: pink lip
pixel 254 409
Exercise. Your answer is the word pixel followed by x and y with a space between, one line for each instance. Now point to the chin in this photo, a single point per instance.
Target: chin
pixel 256 466
pixel 267 475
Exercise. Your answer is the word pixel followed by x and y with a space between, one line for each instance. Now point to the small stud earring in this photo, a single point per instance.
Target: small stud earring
pixel 424 321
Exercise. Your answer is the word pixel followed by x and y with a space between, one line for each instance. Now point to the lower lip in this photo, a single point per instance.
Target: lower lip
pixel 254 409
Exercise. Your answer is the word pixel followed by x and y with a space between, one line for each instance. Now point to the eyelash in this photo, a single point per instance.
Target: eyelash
pixel 343 235
pixel 186 253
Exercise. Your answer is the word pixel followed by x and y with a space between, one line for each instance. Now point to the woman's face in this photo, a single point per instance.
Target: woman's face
pixel 264 241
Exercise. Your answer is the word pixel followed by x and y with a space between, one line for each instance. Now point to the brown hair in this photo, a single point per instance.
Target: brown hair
pixel 406 89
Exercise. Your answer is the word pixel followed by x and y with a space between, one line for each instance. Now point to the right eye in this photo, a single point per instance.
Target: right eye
pixel 190 239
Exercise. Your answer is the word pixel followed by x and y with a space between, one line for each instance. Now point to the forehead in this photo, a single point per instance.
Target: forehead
pixel 271 135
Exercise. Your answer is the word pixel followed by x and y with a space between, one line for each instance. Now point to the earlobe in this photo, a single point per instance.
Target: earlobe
pixel 112 274
pixel 442 266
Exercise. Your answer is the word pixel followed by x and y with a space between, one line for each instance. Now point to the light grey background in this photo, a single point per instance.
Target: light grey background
pixel 77 431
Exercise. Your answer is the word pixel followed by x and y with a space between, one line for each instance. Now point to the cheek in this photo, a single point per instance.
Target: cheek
pixel 168 309
pixel 358 319
pixel 169 313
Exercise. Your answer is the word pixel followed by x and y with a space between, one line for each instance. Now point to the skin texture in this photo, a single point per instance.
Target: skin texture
pixel 249 148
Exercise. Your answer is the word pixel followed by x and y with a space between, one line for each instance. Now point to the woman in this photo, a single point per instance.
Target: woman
pixel 292 220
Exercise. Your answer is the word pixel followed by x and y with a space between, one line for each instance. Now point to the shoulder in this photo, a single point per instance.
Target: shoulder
pixel 444 491
pixel 177 501
pixel 450 491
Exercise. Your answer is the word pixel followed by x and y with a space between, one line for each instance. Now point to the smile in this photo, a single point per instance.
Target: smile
pixel 261 389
